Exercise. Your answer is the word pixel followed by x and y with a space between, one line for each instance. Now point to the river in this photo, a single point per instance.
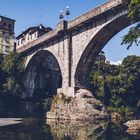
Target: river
pixel 34 129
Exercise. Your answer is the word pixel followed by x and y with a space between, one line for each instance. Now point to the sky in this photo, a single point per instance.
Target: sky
pixel 29 13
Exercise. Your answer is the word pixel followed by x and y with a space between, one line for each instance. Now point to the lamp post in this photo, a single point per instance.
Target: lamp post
pixel 61 15
pixel 67 12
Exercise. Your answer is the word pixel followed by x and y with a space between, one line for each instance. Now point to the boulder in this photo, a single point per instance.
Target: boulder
pixel 84 106
pixel 133 127
pixel 83 93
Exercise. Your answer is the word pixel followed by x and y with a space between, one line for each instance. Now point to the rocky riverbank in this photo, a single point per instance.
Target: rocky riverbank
pixel 10 121
pixel 84 106
pixel 133 127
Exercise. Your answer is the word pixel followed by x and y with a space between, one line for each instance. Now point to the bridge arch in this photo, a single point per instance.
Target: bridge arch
pixel 96 44
pixel 42 76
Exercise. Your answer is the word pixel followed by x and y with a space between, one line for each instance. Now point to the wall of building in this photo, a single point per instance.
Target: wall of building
pixel 27 38
pixel 6 35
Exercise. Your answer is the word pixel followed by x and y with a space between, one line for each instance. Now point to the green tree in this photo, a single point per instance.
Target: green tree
pixel 133 36
pixel 118 86
pixel 12 67
pixel 2 76
pixel 131 72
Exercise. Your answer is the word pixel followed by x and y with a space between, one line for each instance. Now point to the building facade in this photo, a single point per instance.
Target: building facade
pixel 7 26
pixel 30 35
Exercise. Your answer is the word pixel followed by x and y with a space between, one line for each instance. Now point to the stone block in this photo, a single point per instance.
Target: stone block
pixel 69 91
pixel 51 115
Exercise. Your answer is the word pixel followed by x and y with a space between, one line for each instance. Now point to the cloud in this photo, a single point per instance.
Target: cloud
pixel 116 62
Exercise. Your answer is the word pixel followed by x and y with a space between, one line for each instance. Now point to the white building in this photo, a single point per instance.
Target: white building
pixel 30 35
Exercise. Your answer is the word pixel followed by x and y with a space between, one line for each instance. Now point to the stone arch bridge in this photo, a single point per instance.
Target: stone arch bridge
pixel 61 59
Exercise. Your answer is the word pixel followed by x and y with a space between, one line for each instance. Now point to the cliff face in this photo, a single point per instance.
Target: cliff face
pixel 84 106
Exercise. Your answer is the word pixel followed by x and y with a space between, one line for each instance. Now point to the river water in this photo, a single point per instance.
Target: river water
pixel 33 129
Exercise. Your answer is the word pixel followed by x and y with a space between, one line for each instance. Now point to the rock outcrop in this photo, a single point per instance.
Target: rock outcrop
pixel 84 106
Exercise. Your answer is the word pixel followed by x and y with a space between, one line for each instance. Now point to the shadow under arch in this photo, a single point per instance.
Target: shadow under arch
pixel 42 76
pixel 95 46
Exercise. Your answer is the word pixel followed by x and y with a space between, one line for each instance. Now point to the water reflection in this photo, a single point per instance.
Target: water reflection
pixel 63 130
pixel 77 130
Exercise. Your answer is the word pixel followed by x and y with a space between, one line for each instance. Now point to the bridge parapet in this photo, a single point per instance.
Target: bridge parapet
pixel 94 12
pixel 72 24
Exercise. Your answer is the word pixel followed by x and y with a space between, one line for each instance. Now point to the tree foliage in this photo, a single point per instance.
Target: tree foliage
pixel 118 86
pixel 133 36
pixel 11 71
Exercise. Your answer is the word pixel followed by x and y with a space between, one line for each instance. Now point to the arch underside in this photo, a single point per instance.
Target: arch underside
pixel 42 76
pixel 95 46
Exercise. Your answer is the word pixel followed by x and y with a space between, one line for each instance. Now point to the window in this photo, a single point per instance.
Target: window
pixel 22 41
pixel 9 26
pixel 4 24
pixel 28 37
pixel 7 49
pixel 18 42
pixel 36 34
pixel 31 37
pixel 7 39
